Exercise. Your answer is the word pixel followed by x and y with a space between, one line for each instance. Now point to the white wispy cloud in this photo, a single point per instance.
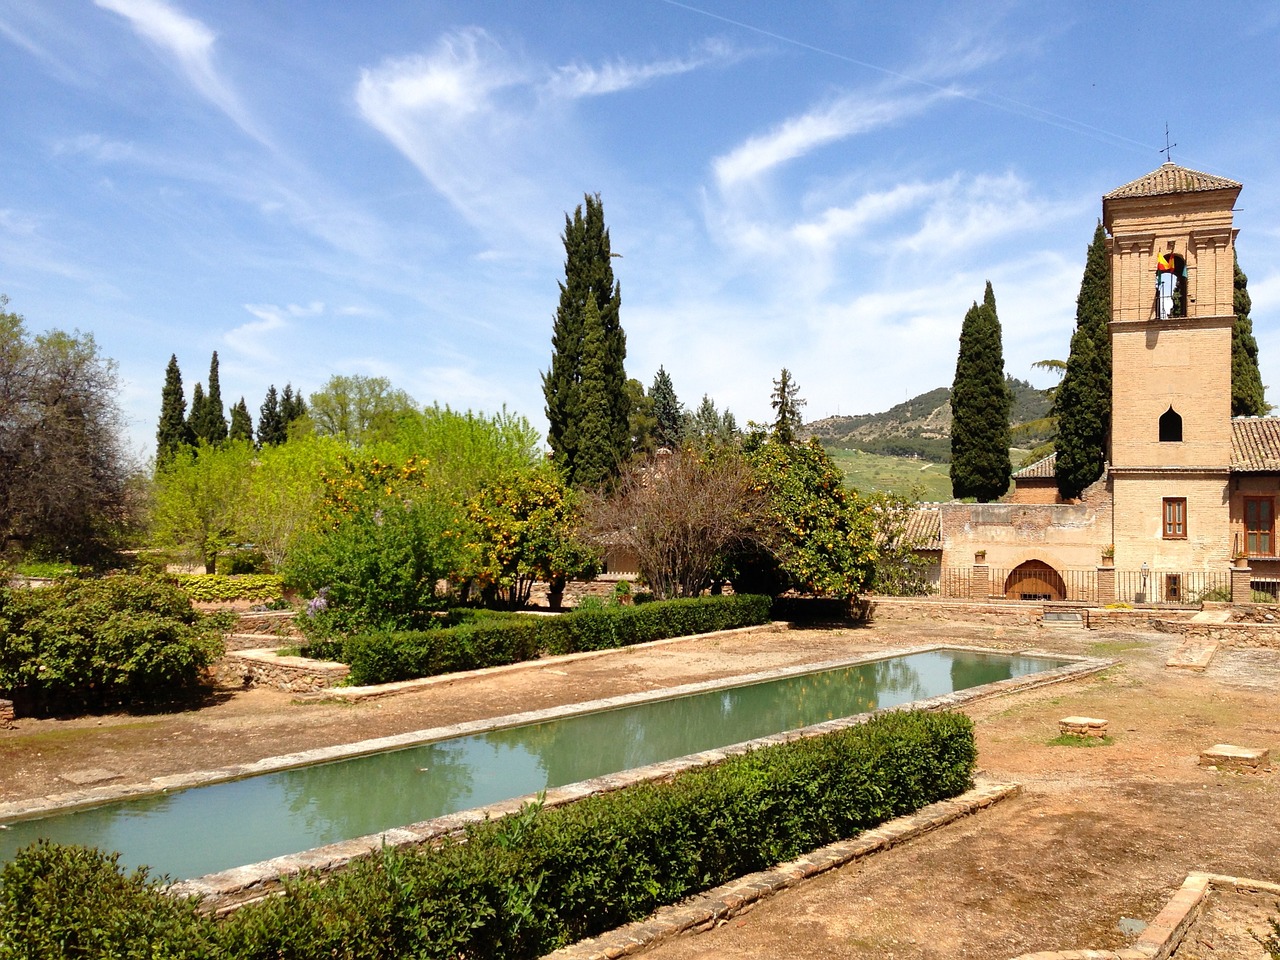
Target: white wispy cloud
pixel 498 135
pixel 965 211
pixel 795 137
pixel 252 339
pixel 583 80
pixel 189 43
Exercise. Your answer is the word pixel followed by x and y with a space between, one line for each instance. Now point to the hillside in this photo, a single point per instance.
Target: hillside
pixel 921 427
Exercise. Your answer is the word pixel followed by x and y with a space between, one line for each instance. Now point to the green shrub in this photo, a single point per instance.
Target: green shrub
pixel 539 879
pixel 91 644
pixel 58 903
pixel 496 640
pixel 217 588
pixel 377 568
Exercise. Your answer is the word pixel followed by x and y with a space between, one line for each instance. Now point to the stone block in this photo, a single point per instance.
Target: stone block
pixel 6 713
pixel 1227 756
pixel 1082 726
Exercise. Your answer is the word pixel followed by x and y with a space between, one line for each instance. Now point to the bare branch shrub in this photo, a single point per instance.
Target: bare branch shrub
pixel 683 513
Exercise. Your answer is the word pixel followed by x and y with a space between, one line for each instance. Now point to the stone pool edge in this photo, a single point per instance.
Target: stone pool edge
pixel 110 793
pixel 226 890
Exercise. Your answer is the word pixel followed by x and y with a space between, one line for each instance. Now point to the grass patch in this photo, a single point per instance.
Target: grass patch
pixel 872 472
pixel 1071 740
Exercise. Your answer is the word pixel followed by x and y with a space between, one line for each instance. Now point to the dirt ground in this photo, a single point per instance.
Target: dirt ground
pixel 1098 834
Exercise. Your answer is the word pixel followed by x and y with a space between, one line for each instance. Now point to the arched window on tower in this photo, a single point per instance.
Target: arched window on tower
pixel 1170 426
pixel 1171 286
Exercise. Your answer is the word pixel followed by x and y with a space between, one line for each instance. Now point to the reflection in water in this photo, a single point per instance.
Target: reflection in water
pixel 210 828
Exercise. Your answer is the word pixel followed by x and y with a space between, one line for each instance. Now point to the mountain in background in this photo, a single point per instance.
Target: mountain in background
pixel 921 427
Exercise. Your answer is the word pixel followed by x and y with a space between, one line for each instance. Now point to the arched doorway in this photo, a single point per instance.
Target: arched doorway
pixel 1035 580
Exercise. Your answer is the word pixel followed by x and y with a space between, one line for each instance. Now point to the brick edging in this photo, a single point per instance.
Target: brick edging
pixel 714 906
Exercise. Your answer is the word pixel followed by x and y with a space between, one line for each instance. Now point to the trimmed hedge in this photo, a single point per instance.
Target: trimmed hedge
pixel 84 645
pixel 216 588
pixel 532 882
pixel 496 640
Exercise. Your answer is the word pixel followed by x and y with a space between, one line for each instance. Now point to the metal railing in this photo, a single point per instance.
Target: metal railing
pixel 1081 586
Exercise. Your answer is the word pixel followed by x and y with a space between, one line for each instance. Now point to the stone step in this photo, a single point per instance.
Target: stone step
pixel 1193 655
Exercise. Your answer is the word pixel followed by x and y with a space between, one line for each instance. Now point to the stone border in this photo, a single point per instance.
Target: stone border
pixel 710 908
pixel 226 890
pixel 394 688
pixel 1159 940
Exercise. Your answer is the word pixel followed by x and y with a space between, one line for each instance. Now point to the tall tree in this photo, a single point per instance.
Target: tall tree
pixel 241 423
pixel 980 404
pixel 786 405
pixel 643 424
pixel 63 472
pixel 1247 394
pixel 196 415
pixel 1082 403
pixel 209 422
pixel 362 409
pixel 707 427
pixel 597 459
pixel 292 407
pixel 172 431
pixel 271 425
pixel 667 411
pixel 588 272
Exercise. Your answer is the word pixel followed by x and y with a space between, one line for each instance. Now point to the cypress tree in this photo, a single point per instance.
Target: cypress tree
pixel 292 407
pixel 588 275
pixel 195 418
pixel 595 462
pixel 216 419
pixel 980 405
pixel 1081 450
pixel 271 430
pixel 666 410
pixel 1082 403
pixel 172 431
pixel 207 419
pixel 241 423
pixel 1247 394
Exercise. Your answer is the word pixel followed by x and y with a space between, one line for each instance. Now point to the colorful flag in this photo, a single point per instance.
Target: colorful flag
pixel 1164 263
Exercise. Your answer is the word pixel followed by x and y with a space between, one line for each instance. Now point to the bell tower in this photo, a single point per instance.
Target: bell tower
pixel 1172 255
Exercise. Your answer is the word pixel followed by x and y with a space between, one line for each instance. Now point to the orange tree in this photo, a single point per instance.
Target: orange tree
pixel 523 527
pixel 824 536
pixel 382 543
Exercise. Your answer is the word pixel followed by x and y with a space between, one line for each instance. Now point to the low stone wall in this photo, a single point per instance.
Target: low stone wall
pixel 1163 620
pixel 251 668
pixel 1236 634
pixel 277 623
pixel 1019 612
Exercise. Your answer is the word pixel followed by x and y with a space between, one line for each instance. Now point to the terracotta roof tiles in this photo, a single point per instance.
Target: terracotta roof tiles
pixel 924 528
pixel 1255 444
pixel 1171 178
pixel 1042 469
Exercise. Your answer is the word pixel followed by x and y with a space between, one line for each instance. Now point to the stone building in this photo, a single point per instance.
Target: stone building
pixel 1186 507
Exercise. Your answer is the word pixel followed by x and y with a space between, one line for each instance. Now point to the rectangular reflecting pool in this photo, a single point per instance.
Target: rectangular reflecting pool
pixel 204 829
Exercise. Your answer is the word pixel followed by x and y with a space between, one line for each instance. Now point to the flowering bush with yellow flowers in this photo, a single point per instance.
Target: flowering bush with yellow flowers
pixel 524 527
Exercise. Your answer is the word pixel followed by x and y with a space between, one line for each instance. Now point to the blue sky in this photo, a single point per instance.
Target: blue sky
pixel 313 188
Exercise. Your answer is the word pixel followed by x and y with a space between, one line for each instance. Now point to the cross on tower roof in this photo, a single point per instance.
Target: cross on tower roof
pixel 1168 157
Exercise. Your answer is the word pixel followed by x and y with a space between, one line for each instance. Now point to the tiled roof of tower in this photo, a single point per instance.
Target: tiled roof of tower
pixel 1255 444
pixel 1171 178
pixel 1042 469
